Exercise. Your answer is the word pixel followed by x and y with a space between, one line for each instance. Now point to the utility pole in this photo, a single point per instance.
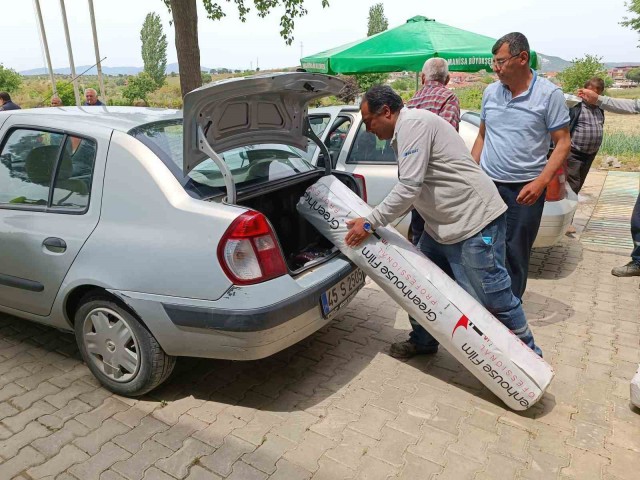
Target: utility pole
pixel 257 65
pixel 70 52
pixel 95 45
pixel 43 38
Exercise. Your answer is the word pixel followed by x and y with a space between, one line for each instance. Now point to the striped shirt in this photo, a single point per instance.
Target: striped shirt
pixel 587 135
pixel 438 99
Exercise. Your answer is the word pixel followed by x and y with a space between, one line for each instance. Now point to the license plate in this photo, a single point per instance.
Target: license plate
pixel 336 296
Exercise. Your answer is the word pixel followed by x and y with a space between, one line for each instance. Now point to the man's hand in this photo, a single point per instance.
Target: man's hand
pixel 588 96
pixel 356 234
pixel 531 192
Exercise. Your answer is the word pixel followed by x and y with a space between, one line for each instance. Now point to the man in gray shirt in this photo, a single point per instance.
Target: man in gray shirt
pixel 619 105
pixel 464 232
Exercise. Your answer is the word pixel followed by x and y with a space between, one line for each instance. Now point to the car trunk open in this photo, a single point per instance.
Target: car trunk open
pixel 302 245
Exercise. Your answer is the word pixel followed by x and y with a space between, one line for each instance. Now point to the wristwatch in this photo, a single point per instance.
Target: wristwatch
pixel 367 226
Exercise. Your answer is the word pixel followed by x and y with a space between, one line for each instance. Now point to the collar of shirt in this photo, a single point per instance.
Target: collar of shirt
pixel 509 96
pixel 394 139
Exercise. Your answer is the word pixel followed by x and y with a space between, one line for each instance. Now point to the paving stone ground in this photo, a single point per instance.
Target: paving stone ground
pixel 338 406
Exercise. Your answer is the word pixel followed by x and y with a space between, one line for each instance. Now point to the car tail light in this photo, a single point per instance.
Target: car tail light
pixel 249 252
pixel 556 190
pixel 362 184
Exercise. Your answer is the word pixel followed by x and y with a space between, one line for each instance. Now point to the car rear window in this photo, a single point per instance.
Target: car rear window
pixel 250 165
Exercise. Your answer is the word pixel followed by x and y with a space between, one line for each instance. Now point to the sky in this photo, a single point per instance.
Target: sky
pixel 564 28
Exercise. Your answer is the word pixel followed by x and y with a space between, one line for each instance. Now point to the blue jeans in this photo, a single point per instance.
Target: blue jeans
pixel 635 231
pixel 523 223
pixel 478 265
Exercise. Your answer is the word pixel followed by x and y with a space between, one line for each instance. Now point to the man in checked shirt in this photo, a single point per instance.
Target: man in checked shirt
pixel 586 127
pixel 437 98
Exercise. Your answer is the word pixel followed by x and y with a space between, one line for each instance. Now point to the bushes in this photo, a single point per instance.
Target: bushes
pixel 470 98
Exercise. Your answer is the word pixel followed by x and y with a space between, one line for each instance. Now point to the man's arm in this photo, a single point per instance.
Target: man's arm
pixel 608 104
pixel 476 151
pixel 414 150
pixel 451 111
pixel 532 190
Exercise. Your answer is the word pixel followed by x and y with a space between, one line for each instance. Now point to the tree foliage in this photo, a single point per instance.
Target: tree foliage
pixel 65 92
pixel 582 70
pixel 376 23
pixel 633 74
pixel 10 80
pixel 377 20
pixel 184 14
pixel 632 22
pixel 154 48
pixel 139 87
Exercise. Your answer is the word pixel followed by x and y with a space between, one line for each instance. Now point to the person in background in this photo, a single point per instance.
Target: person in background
pixel 521 113
pixel 618 105
pixel 586 128
pixel 92 98
pixel 56 101
pixel 465 225
pixel 6 104
pixel 435 97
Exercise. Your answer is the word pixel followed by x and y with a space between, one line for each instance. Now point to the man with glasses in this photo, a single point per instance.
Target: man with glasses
pixel 465 225
pixel 521 113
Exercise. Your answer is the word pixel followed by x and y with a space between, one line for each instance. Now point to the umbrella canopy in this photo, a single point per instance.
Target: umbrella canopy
pixel 406 48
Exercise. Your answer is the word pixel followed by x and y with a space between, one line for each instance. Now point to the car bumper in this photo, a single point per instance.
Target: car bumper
pixel 247 323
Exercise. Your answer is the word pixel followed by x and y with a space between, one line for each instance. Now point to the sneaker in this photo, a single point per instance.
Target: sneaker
pixel 631 269
pixel 408 349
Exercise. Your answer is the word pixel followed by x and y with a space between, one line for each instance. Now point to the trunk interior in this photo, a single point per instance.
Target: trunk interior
pixel 302 245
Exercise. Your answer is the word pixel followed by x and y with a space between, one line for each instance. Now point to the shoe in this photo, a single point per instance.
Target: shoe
pixel 408 349
pixel 631 269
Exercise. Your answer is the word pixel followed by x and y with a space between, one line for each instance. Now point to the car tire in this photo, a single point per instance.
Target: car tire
pixel 118 349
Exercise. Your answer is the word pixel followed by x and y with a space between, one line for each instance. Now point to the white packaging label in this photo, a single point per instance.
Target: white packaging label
pixel 465 328
pixel 635 388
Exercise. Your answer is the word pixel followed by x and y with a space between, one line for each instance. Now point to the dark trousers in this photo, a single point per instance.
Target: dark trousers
pixel 417 226
pixel 578 165
pixel 635 232
pixel 522 227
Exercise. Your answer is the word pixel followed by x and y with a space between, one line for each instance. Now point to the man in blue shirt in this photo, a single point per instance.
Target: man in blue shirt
pixel 521 114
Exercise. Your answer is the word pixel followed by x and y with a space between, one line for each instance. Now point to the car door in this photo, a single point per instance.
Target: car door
pixel 50 184
pixel 363 154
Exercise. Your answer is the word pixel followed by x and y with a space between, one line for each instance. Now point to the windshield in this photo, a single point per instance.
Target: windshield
pixel 250 165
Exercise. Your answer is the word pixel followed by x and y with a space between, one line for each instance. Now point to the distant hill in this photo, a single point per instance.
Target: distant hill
pixel 547 63
pixel 171 68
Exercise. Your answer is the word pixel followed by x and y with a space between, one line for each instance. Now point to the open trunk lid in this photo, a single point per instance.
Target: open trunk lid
pixel 268 108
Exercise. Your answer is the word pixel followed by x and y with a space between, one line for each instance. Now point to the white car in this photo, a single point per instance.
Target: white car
pixel 374 164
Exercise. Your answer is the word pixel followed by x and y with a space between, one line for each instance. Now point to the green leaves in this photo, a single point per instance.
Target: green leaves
pixel 10 80
pixel 583 69
pixel 139 87
pixel 634 22
pixel 154 48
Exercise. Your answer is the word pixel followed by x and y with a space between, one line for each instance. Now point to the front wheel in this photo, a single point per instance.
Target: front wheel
pixel 122 354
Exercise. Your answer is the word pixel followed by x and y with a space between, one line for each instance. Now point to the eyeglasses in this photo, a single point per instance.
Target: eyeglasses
pixel 500 63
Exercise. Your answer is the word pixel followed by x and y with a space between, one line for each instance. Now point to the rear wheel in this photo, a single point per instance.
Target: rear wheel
pixel 122 354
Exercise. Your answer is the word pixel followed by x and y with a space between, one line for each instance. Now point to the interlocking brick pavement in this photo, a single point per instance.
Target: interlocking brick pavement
pixel 336 405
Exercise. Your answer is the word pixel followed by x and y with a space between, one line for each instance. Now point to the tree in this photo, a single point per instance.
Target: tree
pixel 634 22
pixel 377 20
pixel 185 21
pixel 633 74
pixel 139 87
pixel 65 92
pixel 10 80
pixel 582 70
pixel 376 23
pixel 154 48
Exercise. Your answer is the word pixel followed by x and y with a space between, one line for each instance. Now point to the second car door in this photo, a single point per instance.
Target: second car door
pixel 50 195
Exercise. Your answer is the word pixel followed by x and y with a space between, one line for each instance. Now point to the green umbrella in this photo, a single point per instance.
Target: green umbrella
pixel 406 48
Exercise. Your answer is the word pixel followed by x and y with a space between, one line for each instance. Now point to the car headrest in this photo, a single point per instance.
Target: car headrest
pixel 40 162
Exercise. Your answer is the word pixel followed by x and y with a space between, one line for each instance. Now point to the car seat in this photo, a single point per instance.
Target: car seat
pixel 365 148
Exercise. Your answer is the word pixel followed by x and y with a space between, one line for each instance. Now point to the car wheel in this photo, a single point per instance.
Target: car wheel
pixel 122 354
